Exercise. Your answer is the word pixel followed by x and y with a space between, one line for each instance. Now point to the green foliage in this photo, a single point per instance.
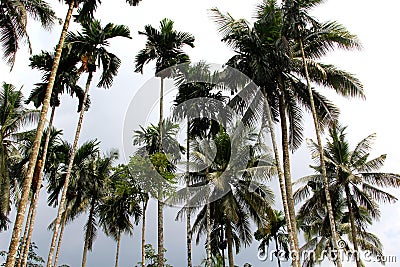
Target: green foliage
pixel 151 257
pixel 34 260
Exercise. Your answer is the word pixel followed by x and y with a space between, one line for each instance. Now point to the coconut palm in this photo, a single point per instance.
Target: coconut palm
pixel 88 7
pixel 355 177
pixel 274 230
pixel 90 45
pixel 13 20
pixel 121 203
pixel 13 117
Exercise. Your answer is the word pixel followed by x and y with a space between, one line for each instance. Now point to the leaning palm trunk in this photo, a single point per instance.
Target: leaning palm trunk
pixel 36 145
pixel 118 245
pixel 188 227
pixel 287 174
pixel 229 238
pixel 353 226
pixel 64 222
pixel 282 186
pixel 68 174
pixel 25 237
pixel 87 235
pixel 146 201
pixel 35 199
pixel 322 160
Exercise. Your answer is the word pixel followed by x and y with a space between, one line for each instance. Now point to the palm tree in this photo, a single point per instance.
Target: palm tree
pixel 13 22
pixel 88 8
pixel 91 47
pixel 274 230
pixel 121 203
pixel 356 177
pixel 14 116
pixel 149 140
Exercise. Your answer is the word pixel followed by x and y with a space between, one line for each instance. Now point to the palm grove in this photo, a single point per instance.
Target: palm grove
pixel 231 152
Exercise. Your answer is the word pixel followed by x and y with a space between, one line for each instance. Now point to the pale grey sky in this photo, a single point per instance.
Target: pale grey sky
pixel 376 24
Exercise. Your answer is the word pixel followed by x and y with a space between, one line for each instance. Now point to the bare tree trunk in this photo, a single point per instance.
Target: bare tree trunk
pixel 87 235
pixel 35 199
pixel 322 160
pixel 188 226
pixel 19 220
pixel 353 226
pixel 161 114
pixel 64 222
pixel 282 186
pixel 160 207
pixel 230 244
pixel 118 245
pixel 68 174
pixel 24 249
pixel 144 230
pixel 287 175
pixel 208 215
pixel 277 251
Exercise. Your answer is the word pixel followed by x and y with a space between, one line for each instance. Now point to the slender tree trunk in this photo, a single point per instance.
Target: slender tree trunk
pixel 322 160
pixel 118 245
pixel 64 222
pixel 68 174
pixel 160 207
pixel 229 237
pixel 287 174
pixel 24 243
pixel 161 114
pixel 19 220
pixel 277 251
pixel 282 185
pixel 352 224
pixel 188 225
pixel 87 235
pixel 208 215
pixel 146 201
pixel 35 199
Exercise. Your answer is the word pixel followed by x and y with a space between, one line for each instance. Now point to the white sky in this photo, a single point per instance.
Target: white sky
pixel 376 24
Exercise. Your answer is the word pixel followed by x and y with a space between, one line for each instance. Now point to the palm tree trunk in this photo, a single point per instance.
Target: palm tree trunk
pixel 188 226
pixel 230 244
pixel 287 175
pixel 160 231
pixel 161 113
pixel 352 224
pixel 35 199
pixel 68 174
pixel 322 160
pixel 118 245
pixel 87 235
pixel 277 251
pixel 64 222
pixel 282 186
pixel 146 201
pixel 208 216
pixel 24 243
pixel 19 220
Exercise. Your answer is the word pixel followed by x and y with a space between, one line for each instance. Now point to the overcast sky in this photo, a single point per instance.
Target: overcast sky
pixel 376 24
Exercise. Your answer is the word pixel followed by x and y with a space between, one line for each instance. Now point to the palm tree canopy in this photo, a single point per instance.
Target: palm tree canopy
pixel 13 21
pixel 164 46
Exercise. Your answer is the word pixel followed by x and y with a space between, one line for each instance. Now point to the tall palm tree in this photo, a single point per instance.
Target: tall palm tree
pixel 149 140
pixel 121 203
pixel 13 117
pixel 355 177
pixel 88 7
pixel 300 27
pixel 274 230
pixel 13 21
pixel 91 47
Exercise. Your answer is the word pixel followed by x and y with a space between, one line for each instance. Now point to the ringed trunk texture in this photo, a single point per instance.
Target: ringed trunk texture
pixel 68 174
pixel 282 185
pixel 188 226
pixel 161 113
pixel 118 245
pixel 230 244
pixel 144 230
pixel 24 243
pixel 322 160
pixel 87 235
pixel 352 224
pixel 19 220
pixel 64 222
pixel 288 178
pixel 160 207
pixel 35 199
